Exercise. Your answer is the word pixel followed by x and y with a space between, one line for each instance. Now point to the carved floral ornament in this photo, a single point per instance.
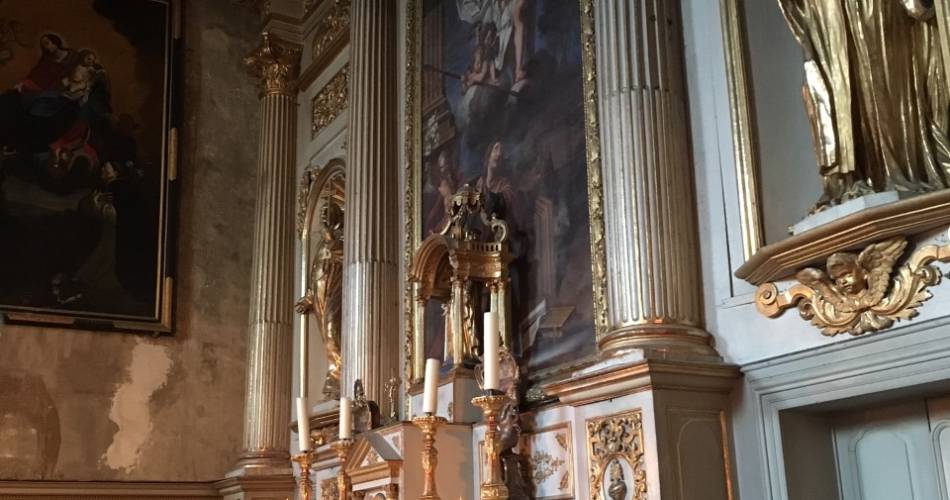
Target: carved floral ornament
pixel 612 441
pixel 330 102
pixel 860 292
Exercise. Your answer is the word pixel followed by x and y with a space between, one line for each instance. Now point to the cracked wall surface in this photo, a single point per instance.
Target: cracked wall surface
pixel 81 405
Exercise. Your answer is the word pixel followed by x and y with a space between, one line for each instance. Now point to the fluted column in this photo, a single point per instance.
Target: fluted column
pixel 371 345
pixel 270 333
pixel 653 281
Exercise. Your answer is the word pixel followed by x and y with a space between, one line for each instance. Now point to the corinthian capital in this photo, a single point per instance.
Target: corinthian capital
pixel 275 63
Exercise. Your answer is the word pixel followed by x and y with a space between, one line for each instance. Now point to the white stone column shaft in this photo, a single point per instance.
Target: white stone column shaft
pixel 371 325
pixel 654 281
pixel 270 333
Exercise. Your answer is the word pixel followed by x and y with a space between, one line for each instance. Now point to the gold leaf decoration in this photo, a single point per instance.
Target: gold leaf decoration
pixel 330 101
pixel 613 437
pixel 859 293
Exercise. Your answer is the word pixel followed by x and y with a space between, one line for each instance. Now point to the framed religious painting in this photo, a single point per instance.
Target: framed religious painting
pixel 501 101
pixel 87 162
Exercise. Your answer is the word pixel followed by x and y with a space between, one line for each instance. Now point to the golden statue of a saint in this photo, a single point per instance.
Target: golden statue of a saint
pixel 325 293
pixel 876 94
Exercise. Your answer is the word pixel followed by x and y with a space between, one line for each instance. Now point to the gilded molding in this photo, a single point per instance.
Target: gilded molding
pixel 610 440
pixel 859 293
pixel 275 63
pixel 413 197
pixel 595 188
pixel 743 126
pixel 330 101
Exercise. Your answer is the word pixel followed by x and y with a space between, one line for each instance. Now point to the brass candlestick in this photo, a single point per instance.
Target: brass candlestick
pixel 342 449
pixel 430 456
pixel 306 485
pixel 492 488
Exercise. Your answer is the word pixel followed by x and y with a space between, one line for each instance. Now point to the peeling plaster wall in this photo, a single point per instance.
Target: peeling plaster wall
pixel 117 406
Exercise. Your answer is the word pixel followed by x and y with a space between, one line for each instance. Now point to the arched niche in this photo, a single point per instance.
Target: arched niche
pixel 320 219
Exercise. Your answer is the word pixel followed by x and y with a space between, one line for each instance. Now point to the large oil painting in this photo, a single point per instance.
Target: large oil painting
pixel 501 109
pixel 85 168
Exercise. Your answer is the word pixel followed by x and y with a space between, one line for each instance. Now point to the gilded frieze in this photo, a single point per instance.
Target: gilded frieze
pixel 330 101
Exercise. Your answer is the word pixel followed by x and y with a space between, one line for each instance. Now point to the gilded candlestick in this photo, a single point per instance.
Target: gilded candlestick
pixel 429 425
pixel 306 485
pixel 342 449
pixel 492 487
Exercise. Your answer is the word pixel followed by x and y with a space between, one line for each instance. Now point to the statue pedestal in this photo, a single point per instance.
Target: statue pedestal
pixel 456 390
pixel 847 208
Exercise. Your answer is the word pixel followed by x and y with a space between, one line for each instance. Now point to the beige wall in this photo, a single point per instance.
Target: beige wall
pixel 131 407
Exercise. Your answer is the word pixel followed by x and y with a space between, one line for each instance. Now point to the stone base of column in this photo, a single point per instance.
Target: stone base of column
pixel 669 423
pixel 263 460
pixel 258 483
pixel 660 341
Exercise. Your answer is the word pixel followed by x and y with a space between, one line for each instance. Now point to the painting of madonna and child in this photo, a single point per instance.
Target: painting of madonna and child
pixel 502 111
pixel 83 117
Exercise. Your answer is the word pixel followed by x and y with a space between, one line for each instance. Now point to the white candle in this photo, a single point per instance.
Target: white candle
pixel 430 396
pixel 346 419
pixel 303 424
pixel 490 355
pixel 304 327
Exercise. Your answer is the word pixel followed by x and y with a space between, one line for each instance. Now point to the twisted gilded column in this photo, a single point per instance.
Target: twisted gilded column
pixel 653 281
pixel 371 345
pixel 270 333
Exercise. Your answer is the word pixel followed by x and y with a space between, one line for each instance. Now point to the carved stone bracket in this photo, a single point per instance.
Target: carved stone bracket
pixel 859 293
pixel 613 440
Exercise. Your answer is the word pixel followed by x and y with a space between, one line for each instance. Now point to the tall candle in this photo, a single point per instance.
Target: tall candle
pixel 303 424
pixel 490 355
pixel 304 326
pixel 430 396
pixel 346 419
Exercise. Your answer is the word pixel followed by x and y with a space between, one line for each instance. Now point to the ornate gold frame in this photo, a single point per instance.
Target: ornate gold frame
pixel 413 171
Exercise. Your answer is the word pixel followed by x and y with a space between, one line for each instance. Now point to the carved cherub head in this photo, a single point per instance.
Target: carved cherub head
pixel 847 273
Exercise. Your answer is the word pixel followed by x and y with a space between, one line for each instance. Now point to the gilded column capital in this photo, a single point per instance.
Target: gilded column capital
pixel 276 63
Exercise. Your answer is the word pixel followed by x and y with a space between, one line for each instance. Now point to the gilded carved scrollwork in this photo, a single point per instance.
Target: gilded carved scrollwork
pixel 275 63
pixel 611 440
pixel 332 30
pixel 860 293
pixel 330 101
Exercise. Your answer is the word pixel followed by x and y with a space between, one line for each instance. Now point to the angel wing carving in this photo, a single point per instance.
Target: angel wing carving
pixel 818 280
pixel 878 262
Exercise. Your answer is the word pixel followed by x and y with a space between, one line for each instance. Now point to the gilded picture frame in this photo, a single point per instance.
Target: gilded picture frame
pixel 102 78
pixel 413 148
